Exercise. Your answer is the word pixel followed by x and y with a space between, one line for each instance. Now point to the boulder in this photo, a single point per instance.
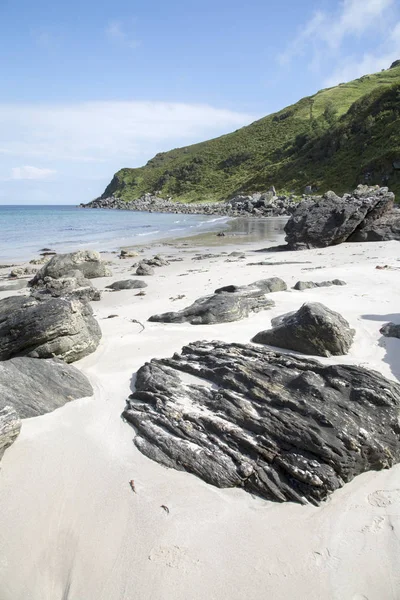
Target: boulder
pixel 284 427
pixel 58 327
pixel 88 262
pixel 22 272
pixel 73 285
pixel 330 220
pixel 309 285
pixel 33 386
pixel 390 330
pixel 144 269
pixel 127 284
pixel 10 426
pixel 222 307
pixel 313 329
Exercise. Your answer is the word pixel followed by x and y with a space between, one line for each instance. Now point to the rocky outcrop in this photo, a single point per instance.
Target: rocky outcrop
pixel 127 284
pixel 309 285
pixel 58 327
pixel 34 387
pixel 224 306
pixel 313 329
pixel 266 204
pixel 280 426
pixel 73 285
pixel 331 220
pixel 382 230
pixel 10 426
pixel 88 262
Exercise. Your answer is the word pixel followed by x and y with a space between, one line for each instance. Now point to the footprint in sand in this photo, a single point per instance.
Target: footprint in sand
pixel 377 525
pixel 172 556
pixel 383 498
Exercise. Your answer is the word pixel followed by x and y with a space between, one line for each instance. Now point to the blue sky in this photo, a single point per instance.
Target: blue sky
pixel 89 87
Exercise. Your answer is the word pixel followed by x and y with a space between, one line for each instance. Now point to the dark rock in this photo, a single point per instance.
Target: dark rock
pixel 57 327
pixel 390 330
pixel 330 220
pixel 382 230
pixel 144 269
pixel 88 262
pixel 10 426
pixel 73 285
pixel 34 386
pixel 16 285
pixel 308 285
pixel 262 286
pixel 222 307
pixel 127 284
pixel 313 329
pixel 280 426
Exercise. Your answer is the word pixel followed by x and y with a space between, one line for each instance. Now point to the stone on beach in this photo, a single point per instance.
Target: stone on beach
pixel 33 386
pixel 313 329
pixel 280 426
pixel 309 285
pixel 73 285
pixel 88 262
pixel 58 327
pixel 127 284
pixel 221 307
pixel 390 330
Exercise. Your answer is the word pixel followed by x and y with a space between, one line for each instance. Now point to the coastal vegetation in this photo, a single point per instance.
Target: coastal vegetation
pixel 335 139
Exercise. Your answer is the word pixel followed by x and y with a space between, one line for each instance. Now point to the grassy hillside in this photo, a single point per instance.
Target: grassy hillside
pixel 339 137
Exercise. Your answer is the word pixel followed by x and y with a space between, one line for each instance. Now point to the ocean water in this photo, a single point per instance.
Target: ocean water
pixel 25 230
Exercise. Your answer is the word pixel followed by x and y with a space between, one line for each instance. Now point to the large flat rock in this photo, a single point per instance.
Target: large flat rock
pixel 280 426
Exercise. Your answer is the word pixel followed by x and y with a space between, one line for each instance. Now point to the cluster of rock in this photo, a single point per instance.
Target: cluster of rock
pixel 41 333
pixel 368 214
pixel 267 204
pixel 280 426
pixel 146 266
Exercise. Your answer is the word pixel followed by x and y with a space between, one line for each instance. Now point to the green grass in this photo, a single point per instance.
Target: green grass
pixel 339 137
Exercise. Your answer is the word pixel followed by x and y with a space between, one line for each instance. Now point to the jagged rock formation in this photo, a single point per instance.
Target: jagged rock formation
pixel 229 303
pixel 34 386
pixel 58 327
pixel 127 284
pixel 73 285
pixel 10 426
pixel 280 426
pixel 266 204
pixel 382 230
pixel 331 220
pixel 144 269
pixel 88 262
pixel 313 329
pixel 309 285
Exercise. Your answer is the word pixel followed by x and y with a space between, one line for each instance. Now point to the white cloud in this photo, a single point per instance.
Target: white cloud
pixel 115 31
pixel 29 172
pixel 323 37
pixel 102 131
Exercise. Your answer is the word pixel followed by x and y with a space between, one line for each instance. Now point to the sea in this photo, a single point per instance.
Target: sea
pixel 26 230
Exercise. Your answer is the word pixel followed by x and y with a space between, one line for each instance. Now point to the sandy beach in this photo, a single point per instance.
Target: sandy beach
pixel 70 525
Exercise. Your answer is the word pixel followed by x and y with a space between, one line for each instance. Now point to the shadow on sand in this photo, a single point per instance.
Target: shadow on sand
pixel 390 344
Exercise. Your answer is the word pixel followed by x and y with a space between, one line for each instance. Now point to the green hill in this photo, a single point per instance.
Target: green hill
pixel 336 139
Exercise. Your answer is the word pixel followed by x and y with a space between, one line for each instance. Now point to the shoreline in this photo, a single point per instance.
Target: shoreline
pixel 64 489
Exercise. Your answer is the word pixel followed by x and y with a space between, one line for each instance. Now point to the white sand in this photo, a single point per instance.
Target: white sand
pixel 70 526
